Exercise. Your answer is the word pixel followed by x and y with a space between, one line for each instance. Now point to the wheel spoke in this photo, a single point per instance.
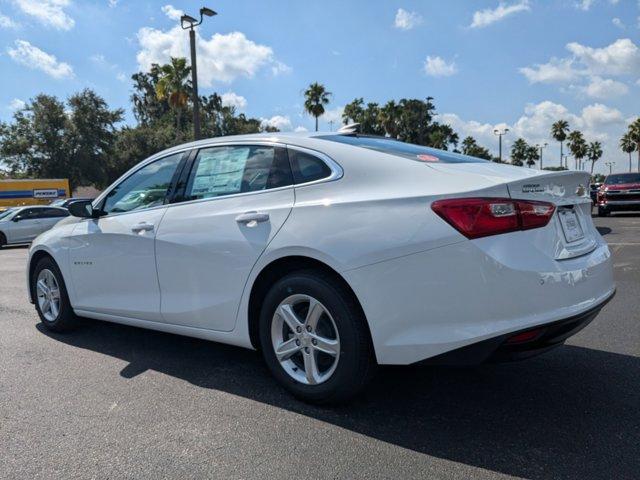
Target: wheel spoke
pixel 289 316
pixel 42 286
pixel 326 345
pixel 313 314
pixel 286 349
pixel 311 367
pixel 55 293
pixel 54 308
pixel 46 305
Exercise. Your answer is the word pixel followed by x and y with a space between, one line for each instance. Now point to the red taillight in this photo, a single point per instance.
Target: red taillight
pixel 481 217
pixel 527 336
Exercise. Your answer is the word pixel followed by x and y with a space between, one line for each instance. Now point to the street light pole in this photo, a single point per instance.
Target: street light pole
pixel 500 133
pixel 541 147
pixel 191 23
pixel 610 165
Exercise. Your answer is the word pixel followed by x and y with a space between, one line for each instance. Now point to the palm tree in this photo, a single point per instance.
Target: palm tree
pixel 578 147
pixel 634 132
pixel 627 145
pixel 532 155
pixel 559 132
pixel 174 86
pixel 594 152
pixel 316 98
pixel 389 118
pixel 519 152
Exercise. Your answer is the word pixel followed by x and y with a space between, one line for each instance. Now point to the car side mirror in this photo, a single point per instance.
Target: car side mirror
pixel 83 209
pixel 17 218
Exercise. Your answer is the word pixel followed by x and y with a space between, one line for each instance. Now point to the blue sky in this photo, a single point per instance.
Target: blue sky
pixel 517 63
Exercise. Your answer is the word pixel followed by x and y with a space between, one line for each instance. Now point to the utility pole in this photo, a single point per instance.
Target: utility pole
pixel 191 23
pixel 500 133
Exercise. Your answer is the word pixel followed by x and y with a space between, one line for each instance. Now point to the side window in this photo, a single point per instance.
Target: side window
pixel 227 170
pixel 54 213
pixel 307 167
pixel 29 214
pixel 144 188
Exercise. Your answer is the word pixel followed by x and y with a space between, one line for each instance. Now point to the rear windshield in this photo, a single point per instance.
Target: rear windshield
pixel 620 178
pixel 402 149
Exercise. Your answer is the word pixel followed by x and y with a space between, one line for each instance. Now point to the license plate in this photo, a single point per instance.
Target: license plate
pixel 570 225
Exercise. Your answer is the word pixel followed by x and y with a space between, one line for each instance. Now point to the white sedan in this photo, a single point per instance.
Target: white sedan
pixel 332 253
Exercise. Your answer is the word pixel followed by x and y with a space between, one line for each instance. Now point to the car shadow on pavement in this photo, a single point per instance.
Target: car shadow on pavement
pixel 572 413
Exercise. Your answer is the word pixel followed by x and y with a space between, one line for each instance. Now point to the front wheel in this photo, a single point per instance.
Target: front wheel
pixel 314 338
pixel 50 295
pixel 603 212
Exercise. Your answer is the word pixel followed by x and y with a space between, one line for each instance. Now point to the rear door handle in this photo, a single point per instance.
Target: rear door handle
pixel 248 218
pixel 142 227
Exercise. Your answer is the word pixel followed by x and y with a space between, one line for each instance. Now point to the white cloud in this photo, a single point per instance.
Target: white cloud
pixel 113 3
pixel 596 121
pixel 618 23
pixel 48 12
pixel 17 104
pixel 484 18
pixel 172 12
pixel 300 129
pixel 584 5
pixel 222 58
pixel 438 67
pixel 101 62
pixel 619 58
pixel 6 22
pixel 279 68
pixel 555 71
pixel 601 88
pixel 406 20
pixel 231 99
pixel 278 121
pixel 30 56
pixel 333 115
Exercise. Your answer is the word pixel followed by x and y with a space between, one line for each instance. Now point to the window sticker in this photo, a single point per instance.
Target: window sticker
pixel 220 170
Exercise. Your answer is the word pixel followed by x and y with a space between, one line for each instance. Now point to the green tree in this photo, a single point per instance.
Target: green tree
pixel 532 155
pixel 628 146
pixel 559 132
pixel 316 98
pixel 594 153
pixel 471 147
pixel 353 111
pixel 174 86
pixel 48 139
pixel 519 152
pixel 634 133
pixel 389 118
pixel 578 147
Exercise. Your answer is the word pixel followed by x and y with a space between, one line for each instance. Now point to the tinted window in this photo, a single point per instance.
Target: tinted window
pixel 30 213
pixel 145 188
pixel 227 170
pixel 306 167
pixel 402 149
pixel 53 212
pixel 619 179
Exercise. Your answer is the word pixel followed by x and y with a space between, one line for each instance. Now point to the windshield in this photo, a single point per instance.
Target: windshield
pixel 58 203
pixel 621 178
pixel 411 151
pixel 6 213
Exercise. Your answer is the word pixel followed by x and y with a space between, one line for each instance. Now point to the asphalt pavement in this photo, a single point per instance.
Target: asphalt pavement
pixel 110 401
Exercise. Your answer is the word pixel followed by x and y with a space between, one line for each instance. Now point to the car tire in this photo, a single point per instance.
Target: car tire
pixel 3 240
pixel 603 212
pixel 339 377
pixel 61 318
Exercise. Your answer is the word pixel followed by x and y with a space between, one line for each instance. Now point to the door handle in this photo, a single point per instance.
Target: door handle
pixel 142 227
pixel 252 218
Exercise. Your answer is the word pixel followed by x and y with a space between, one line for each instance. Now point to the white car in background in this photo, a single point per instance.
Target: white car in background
pixel 332 253
pixel 23 224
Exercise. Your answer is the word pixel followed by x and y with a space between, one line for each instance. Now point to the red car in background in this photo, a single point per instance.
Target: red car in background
pixel 619 192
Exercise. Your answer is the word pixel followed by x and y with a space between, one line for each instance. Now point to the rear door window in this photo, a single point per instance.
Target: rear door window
pixel 232 169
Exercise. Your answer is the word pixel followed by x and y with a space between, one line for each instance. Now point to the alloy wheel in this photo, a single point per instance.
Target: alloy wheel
pixel 48 292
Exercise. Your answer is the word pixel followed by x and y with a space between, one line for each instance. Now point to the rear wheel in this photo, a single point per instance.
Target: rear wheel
pixel 603 212
pixel 51 299
pixel 314 338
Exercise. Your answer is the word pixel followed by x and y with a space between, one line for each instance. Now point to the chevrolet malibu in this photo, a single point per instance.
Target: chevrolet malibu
pixel 331 254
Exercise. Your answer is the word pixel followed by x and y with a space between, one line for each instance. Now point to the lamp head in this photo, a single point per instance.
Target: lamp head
pixel 207 11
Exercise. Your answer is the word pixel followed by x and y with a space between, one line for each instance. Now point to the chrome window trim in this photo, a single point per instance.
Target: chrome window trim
pixel 336 171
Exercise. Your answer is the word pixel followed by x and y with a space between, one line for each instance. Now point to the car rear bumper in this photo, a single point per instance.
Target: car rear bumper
pixel 503 349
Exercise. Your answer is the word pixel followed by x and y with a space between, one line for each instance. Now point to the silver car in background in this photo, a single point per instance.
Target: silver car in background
pixel 23 224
